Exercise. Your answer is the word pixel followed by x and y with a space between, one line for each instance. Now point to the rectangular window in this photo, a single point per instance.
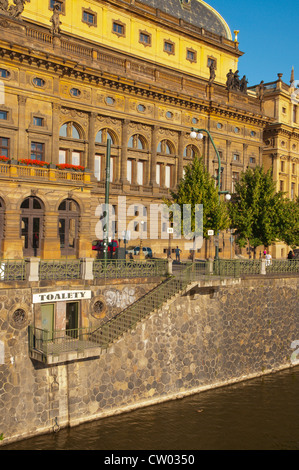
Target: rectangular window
pixel 145 38
pixel 251 160
pixel 158 174
pixel 129 171
pixel 294 168
pixel 235 179
pixel 4 147
pixel 167 176
pixel 212 61
pixel 282 167
pixel 191 55
pixel 38 121
pixel 62 156
pixel 112 169
pixel 3 115
pixel 118 28
pixel 292 191
pixel 169 47
pixel 37 151
pixel 76 158
pixel 89 18
pixel 140 173
pixel 97 167
pixel 57 2
pixel 236 157
pixel 281 186
pixel 295 113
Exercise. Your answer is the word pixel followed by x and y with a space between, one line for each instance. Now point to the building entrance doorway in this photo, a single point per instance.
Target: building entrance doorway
pixel 72 319
pixel 47 318
pixel 31 225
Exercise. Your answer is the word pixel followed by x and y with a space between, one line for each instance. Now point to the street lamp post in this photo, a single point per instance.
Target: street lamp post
pixel 197 134
pixel 141 255
pixel 106 235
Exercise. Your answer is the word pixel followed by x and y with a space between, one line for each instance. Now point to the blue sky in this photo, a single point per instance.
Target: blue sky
pixel 269 37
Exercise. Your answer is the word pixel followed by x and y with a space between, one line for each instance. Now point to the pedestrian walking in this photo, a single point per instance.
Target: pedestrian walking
pixel 291 255
pixel 177 254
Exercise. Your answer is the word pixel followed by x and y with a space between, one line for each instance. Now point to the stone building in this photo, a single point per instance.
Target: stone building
pixel 141 73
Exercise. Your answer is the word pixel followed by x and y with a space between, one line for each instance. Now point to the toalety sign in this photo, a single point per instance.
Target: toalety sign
pixel 60 296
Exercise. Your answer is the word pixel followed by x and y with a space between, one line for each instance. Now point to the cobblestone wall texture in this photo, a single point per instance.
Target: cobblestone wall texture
pixel 211 336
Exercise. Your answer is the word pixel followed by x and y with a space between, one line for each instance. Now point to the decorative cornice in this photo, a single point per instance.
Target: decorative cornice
pixel 71 68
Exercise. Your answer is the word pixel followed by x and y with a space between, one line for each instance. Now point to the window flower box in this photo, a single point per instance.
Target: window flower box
pixel 28 161
pixel 4 159
pixel 68 166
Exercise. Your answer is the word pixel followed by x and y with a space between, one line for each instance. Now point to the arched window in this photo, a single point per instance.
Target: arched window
pixel 103 135
pixel 71 144
pixel 137 142
pixel 165 147
pixel 32 215
pixel 71 130
pixel 100 156
pixel 190 151
pixel 68 226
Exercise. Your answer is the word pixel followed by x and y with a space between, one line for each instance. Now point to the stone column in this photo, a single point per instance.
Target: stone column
pixel 23 137
pixel 180 157
pixel 91 142
pixel 153 161
pixel 55 132
pixel 245 151
pixel 124 145
pixel 50 243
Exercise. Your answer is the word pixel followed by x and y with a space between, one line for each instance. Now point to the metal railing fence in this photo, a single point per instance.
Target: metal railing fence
pixel 115 269
pixel 12 270
pixel 60 269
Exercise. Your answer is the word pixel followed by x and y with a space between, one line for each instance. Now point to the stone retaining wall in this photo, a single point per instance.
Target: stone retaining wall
pixel 215 334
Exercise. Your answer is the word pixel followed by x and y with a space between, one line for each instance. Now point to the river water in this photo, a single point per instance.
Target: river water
pixel 260 414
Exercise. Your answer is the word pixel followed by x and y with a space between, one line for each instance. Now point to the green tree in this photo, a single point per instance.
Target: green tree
pixel 288 222
pixel 198 187
pixel 255 209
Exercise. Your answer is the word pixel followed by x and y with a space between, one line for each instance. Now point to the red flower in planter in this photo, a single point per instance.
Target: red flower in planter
pixel 68 166
pixel 3 158
pixel 28 161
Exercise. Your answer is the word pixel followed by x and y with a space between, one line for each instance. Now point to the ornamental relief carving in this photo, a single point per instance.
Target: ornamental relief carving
pixel 14 11
pixel 109 121
pixel 74 114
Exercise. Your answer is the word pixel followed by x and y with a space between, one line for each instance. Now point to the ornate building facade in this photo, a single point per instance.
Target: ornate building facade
pixel 141 73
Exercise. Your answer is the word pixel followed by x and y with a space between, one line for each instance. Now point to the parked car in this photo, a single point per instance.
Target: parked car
pixel 147 251
pixel 98 245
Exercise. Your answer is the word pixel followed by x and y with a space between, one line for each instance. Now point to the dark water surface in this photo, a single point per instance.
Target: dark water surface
pixel 260 414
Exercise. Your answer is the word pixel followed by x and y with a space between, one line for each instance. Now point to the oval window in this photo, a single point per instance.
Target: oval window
pixel 4 73
pixel 110 100
pixel 75 92
pixel 194 120
pixel 237 130
pixel 141 108
pixel 219 125
pixel 169 115
pixel 38 81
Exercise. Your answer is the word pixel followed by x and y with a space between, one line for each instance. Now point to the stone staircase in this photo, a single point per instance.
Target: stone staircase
pixel 126 320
